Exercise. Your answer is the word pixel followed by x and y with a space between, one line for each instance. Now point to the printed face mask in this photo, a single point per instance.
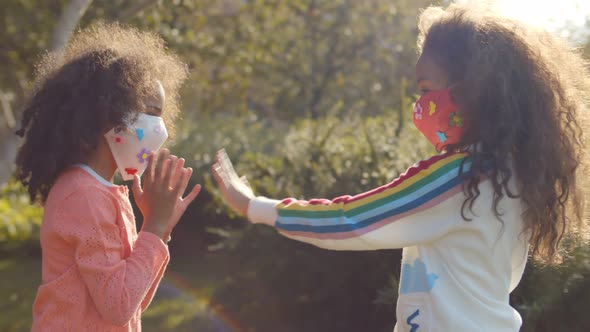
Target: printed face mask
pixel 131 146
pixel 437 117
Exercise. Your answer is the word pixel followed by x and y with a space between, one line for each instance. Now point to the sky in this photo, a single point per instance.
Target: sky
pixel 565 17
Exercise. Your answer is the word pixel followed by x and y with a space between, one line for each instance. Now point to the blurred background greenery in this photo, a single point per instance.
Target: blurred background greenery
pixel 310 98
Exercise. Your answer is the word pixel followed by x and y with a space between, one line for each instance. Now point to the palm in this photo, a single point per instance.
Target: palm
pixel 161 197
pixel 235 190
pixel 179 210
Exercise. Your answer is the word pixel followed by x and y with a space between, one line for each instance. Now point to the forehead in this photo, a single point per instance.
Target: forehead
pixel 157 98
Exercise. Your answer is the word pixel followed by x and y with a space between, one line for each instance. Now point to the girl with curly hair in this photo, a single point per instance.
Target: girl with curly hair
pixel 99 106
pixel 503 103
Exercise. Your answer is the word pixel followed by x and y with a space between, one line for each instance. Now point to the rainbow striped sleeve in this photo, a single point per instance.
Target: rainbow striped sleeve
pixel 404 212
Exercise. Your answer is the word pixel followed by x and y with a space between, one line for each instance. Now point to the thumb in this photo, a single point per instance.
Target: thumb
pixel 245 181
pixel 136 187
pixel 248 188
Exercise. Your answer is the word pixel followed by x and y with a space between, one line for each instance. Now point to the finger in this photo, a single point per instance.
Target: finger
pixel 225 176
pixel 170 170
pixel 149 174
pixel 161 159
pixel 136 187
pixel 177 175
pixel 246 187
pixel 245 181
pixel 165 177
pixel 219 153
pixel 224 160
pixel 192 195
pixel 168 167
pixel 228 167
pixel 216 170
pixel 186 175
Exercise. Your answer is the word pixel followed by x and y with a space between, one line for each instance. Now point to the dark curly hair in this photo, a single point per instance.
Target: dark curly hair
pixel 523 92
pixel 96 83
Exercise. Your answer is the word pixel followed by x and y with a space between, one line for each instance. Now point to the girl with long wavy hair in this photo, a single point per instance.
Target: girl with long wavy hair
pixel 503 103
pixel 97 107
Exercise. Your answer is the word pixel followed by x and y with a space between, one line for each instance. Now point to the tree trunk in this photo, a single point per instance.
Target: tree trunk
pixel 71 15
pixel 7 137
pixel 66 24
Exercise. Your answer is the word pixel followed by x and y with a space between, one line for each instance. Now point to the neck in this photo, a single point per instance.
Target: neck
pixel 102 162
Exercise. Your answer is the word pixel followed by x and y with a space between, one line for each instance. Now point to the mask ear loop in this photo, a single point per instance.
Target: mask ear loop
pixel 451 87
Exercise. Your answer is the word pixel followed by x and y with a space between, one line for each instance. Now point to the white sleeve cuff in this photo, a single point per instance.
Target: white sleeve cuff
pixel 262 210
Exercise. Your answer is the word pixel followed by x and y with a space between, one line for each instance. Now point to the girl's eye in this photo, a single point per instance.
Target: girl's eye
pixel 153 110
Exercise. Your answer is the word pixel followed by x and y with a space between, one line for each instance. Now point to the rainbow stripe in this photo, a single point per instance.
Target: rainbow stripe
pixel 426 185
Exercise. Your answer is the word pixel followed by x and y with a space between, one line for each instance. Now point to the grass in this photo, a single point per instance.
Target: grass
pixel 20 278
pixel 181 303
pixel 186 299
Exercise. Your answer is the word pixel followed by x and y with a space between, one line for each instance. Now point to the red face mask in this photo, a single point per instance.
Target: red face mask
pixel 437 117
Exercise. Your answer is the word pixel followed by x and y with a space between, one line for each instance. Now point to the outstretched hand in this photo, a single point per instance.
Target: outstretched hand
pixel 160 198
pixel 236 191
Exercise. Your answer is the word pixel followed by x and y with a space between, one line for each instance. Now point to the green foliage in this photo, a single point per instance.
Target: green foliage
pixel 329 156
pixel 180 314
pixel 311 99
pixel 332 156
pixel 21 276
pixel 299 287
pixel 326 157
pixel 287 59
pixel 556 298
pixel 19 220
pixel 21 44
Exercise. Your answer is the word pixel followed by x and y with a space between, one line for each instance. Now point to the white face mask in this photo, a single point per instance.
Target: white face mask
pixel 131 146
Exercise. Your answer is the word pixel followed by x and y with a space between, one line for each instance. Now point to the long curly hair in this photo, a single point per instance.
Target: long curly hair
pixel 523 92
pixel 96 83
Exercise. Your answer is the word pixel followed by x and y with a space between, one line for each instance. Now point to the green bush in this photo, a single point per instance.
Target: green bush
pixel 309 158
pixel 333 156
pixel 19 220
pixel 279 284
pixel 326 157
pixel 556 298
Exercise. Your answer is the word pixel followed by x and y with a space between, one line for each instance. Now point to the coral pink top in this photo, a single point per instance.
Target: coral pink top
pixel 98 274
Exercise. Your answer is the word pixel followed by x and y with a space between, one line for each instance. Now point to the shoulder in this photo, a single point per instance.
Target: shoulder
pixel 445 160
pixel 75 194
pixel 444 166
pixel 86 212
pixel 73 181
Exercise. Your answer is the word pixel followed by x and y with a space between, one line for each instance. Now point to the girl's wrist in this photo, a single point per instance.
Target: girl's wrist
pixel 244 208
pixel 244 211
pixel 167 237
pixel 154 228
pixel 262 210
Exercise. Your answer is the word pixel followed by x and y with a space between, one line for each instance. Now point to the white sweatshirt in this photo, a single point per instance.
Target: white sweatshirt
pixel 456 275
